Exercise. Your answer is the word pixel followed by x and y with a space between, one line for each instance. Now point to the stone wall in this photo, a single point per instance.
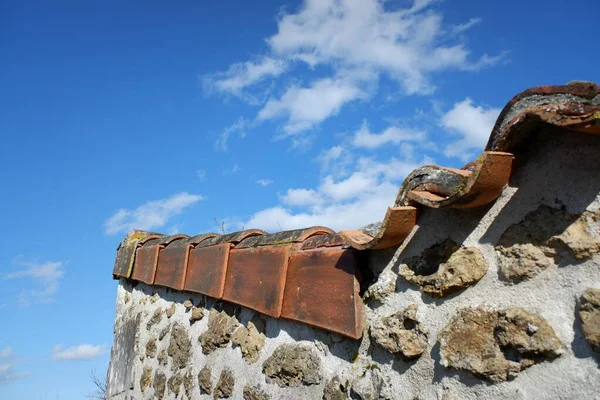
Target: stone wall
pixel 501 301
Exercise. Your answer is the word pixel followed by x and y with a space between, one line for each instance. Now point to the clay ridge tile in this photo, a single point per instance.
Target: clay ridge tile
pixel 234 237
pixel 283 237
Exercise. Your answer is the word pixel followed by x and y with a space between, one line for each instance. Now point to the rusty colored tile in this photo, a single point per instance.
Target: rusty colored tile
pixel 206 270
pixel 396 226
pixel 322 290
pixel 146 258
pixel 292 236
pixel 256 278
pixel 234 237
pixel 126 252
pixel 331 240
pixel 172 264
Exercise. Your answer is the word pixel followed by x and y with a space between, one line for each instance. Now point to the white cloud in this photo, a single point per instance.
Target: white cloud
pixel 460 28
pixel 240 126
pixel 234 170
pixel 393 135
pixel 45 278
pixel 301 197
pixel 81 352
pixel 7 373
pixel 472 124
pixel 264 182
pixel 305 107
pixel 241 75
pixel 150 215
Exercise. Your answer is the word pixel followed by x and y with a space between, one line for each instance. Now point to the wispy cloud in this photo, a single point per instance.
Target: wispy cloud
pixel 222 142
pixel 201 174
pixel 150 215
pixel 392 135
pixel 81 352
pixel 264 182
pixel 233 170
pixel 45 278
pixel 7 368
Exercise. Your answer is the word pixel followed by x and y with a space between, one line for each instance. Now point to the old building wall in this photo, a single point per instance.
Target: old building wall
pixel 500 301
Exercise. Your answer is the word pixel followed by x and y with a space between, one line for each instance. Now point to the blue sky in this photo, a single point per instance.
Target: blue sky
pixel 273 115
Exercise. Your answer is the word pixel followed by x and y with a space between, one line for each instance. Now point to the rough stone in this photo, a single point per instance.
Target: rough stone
pixel 334 390
pixel 293 365
pixel 497 344
pixel 250 341
pixel 174 383
pixel 196 315
pixel 171 310
pixel 254 393
pixel 188 384
pixel 544 238
pixel 151 348
pixel 445 268
pixel 205 380
pixel 400 333
pixel 218 334
pixel 385 285
pixel 159 384
pixel 373 385
pixel 162 357
pixel 146 379
pixel 156 318
pixel 164 332
pixel 589 311
pixel 154 298
pixel 188 304
pixel 225 384
pixel 126 298
pixel 179 346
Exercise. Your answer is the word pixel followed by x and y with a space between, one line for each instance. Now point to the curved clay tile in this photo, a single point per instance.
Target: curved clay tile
pixel 292 236
pixel 195 240
pixel 329 240
pixel 169 239
pixel 127 249
pixel 234 237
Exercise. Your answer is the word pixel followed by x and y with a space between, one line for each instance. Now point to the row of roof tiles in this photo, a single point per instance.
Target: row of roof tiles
pixel 310 275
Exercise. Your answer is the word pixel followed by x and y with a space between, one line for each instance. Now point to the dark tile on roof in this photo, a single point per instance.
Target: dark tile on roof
pixel 195 240
pixel 126 252
pixel 330 240
pixel 234 237
pixel 293 236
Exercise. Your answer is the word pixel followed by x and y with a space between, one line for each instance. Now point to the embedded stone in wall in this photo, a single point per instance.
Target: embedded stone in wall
pixel 159 384
pixel 179 346
pixel 225 385
pixel 162 357
pixel 334 390
pixel 146 379
pixel 250 340
pixel 497 344
pixel 589 311
pixel 372 385
pixel 445 268
pixel 218 334
pixel 188 304
pixel 196 315
pixel 174 383
pixel 293 365
pixel 156 318
pixel 205 380
pixel 545 237
pixel 254 393
pixel 400 333
pixel 188 384
pixel 171 310
pixel 385 285
pixel 151 348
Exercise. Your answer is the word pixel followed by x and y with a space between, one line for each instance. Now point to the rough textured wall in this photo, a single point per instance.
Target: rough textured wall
pixel 497 302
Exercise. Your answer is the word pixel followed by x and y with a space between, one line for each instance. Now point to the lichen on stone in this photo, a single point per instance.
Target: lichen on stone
pixel 218 334
pixel 225 385
pixel 544 238
pixel 400 333
pixel 444 268
pixel 205 380
pixel 293 365
pixel 250 340
pixel 179 347
pixel 497 344
pixel 589 312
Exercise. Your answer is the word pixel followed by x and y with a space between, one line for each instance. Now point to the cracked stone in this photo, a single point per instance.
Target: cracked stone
pixel 400 333
pixel 174 383
pixel 254 393
pixel 146 379
pixel 497 344
pixel 205 380
pixel 196 315
pixel 188 384
pixel 159 384
pixel 218 334
pixel 224 387
pixel 445 268
pixel 156 318
pixel 171 310
pixel 334 390
pixel 385 285
pixel 293 365
pixel 589 312
pixel 250 341
pixel 179 347
pixel 544 238
pixel 151 348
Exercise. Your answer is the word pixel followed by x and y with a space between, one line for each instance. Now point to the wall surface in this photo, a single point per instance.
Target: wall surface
pixel 497 302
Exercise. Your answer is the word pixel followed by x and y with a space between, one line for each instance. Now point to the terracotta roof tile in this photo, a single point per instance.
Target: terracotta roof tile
pixel 309 275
